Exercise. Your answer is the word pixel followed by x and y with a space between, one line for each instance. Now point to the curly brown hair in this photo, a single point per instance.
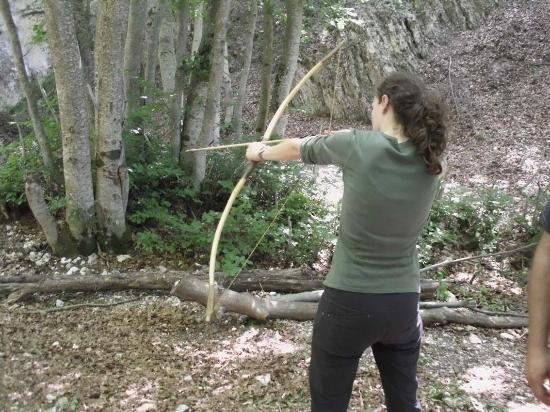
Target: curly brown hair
pixel 421 112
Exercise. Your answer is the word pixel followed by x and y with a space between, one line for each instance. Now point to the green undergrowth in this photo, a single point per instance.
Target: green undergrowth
pixel 279 215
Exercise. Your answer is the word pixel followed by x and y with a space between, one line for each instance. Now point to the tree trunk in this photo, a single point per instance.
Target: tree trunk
pixel 40 210
pixel 236 122
pixel 194 111
pixel 111 171
pixel 267 66
pixel 81 11
pixel 227 90
pixel 182 24
pixel 289 62
pixel 45 150
pixel 74 124
pixel 198 28
pixel 132 59
pixel 151 47
pixel 214 87
pixel 167 51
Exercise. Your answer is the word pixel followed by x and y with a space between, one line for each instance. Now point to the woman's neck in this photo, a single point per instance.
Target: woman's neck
pixel 395 132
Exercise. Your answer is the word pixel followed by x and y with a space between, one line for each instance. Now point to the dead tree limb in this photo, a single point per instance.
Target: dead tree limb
pixel 266 308
pixel 452 262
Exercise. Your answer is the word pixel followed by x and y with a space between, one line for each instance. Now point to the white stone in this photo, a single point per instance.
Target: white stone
pixel 33 256
pixel 104 273
pixel 476 340
pixel 83 271
pixel 122 258
pixel 29 244
pixel 59 303
pixel 65 260
pixel 44 259
pixel 264 379
pixel 188 378
pixel 507 336
pixel 77 259
pixel 182 408
pixel 162 269
pixel 92 259
pixel 73 270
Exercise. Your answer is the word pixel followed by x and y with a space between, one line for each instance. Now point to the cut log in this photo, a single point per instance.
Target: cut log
pixel 281 280
pixel 253 306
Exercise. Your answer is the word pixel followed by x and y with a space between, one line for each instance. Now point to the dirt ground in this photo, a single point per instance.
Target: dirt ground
pixel 157 354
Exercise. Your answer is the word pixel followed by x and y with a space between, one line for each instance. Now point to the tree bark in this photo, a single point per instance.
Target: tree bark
pixel 182 24
pixel 267 66
pixel 74 124
pixel 236 122
pixel 112 173
pixel 132 59
pixel 289 61
pixel 151 47
pixel 45 150
pixel 167 51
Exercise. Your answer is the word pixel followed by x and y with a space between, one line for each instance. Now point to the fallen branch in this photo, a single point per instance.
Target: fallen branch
pixel 191 289
pixel 452 262
pixel 82 305
pixel 283 280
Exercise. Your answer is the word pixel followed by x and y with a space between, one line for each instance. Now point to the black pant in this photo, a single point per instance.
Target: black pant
pixel 346 324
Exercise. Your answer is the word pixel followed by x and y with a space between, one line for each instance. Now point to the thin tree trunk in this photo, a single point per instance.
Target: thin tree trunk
pixel 81 9
pixel 267 66
pixel 167 51
pixel 151 47
pixel 198 28
pixel 214 87
pixel 111 171
pixel 228 98
pixel 40 210
pixel 182 24
pixel 196 102
pixel 74 124
pixel 236 122
pixel 39 132
pixel 132 57
pixel 289 62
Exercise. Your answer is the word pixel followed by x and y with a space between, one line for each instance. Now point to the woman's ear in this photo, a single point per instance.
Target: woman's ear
pixel 385 101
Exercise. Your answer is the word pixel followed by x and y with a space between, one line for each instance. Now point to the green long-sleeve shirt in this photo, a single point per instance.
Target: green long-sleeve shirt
pixel 387 198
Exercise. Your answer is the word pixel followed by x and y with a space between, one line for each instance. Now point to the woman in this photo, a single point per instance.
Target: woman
pixel 372 290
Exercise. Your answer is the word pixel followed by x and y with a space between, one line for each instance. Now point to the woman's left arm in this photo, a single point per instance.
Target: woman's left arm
pixel 287 150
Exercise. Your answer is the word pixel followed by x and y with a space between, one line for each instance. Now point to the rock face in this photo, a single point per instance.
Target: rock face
pixel 26 14
pixel 383 36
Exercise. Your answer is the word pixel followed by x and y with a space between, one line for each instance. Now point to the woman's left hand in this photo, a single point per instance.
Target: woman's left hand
pixel 252 151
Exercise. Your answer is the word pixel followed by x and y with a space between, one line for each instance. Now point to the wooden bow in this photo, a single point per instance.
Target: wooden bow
pixel 212 287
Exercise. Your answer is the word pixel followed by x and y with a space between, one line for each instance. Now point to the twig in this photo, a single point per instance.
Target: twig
pixel 452 262
pixel 82 305
pixel 488 312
